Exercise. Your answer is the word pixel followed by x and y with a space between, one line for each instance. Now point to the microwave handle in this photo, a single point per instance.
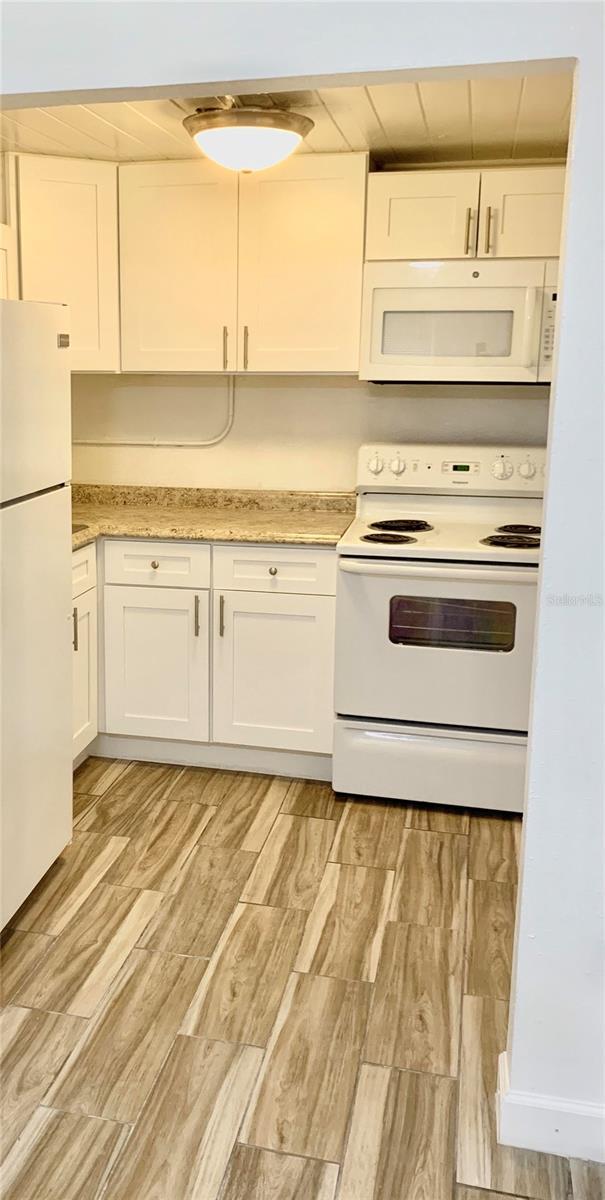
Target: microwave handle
pixel 528 351
pixel 450 574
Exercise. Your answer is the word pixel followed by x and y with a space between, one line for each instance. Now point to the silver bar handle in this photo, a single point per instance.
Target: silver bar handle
pixel 74 617
pixel 225 347
pixel 246 340
pixel 196 616
pixel 488 229
pixel 221 616
pixel 467 230
pixel 411 570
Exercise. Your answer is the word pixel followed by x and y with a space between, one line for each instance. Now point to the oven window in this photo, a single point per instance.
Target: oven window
pixel 445 334
pixel 439 622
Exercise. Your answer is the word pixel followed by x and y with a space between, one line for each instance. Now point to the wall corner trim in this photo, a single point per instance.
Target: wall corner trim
pixel 550 1124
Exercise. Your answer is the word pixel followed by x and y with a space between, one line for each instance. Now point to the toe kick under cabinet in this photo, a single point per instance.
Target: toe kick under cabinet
pixel 262 616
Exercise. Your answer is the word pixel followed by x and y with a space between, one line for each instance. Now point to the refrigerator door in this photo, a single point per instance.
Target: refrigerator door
pixel 35 691
pixel 35 398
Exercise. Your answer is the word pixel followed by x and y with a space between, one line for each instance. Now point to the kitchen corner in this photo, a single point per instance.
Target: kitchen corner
pixel 301 798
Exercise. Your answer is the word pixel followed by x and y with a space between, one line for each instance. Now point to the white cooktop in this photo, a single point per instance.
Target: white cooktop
pixel 464 493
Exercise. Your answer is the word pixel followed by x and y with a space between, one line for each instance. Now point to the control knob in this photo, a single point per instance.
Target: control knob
pixel 397 465
pixel 502 468
pixel 527 469
pixel 376 464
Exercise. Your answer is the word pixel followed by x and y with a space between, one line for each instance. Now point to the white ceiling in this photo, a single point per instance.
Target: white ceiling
pixel 428 122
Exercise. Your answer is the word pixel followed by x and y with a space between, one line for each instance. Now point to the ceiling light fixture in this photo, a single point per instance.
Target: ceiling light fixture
pixel 247 139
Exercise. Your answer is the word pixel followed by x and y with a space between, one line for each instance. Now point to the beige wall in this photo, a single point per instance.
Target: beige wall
pixel 289 432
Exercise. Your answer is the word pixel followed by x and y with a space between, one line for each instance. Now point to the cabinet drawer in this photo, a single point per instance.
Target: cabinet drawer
pixel 83 569
pixel 164 564
pixel 275 569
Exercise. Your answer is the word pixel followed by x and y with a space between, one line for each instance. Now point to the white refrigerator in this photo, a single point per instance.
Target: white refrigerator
pixel 35 596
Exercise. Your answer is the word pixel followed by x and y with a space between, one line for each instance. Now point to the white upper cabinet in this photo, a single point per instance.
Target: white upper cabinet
pixel 422 214
pixel 7 263
pixel 9 269
pixel 178 266
pixel 521 212
pixel 512 213
pixel 300 264
pixel 68 238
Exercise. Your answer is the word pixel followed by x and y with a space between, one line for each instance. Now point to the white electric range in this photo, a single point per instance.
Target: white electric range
pixel 435 615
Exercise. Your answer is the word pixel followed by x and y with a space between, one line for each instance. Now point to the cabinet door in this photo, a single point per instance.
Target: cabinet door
pixel 521 212
pixel 8 264
pixel 68 235
pixel 300 264
pixel 156 662
pixel 178 266
pixel 422 214
pixel 85 676
pixel 273 671
pixel 9 288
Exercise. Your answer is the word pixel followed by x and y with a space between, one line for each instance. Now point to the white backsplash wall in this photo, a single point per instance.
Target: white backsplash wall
pixel 296 432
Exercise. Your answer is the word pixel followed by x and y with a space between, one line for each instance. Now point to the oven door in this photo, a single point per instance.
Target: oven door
pixel 448 322
pixel 435 643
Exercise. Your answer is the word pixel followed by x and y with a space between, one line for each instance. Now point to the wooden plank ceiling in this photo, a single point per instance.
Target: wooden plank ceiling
pixel 458 120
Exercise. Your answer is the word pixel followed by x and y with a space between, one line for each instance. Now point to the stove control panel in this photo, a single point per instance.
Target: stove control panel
pixel 482 470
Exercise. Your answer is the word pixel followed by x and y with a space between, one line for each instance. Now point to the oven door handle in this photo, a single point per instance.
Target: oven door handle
pixel 448 574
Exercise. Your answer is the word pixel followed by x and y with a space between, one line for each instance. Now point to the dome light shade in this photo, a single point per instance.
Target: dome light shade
pixel 247 139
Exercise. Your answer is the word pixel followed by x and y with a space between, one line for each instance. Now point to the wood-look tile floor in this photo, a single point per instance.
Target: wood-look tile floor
pixel 237 987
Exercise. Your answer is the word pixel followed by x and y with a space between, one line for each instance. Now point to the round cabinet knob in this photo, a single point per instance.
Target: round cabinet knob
pixel 397 465
pixel 155 564
pixel 527 469
pixel 273 570
pixel 376 464
pixel 502 468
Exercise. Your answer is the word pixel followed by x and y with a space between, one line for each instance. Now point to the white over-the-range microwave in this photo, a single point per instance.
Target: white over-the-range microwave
pixel 466 321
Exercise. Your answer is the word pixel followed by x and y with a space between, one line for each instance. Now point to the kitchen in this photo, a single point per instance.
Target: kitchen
pixel 207 615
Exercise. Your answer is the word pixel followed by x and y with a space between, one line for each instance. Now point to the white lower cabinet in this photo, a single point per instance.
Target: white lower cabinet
pixel 272 652
pixel 157 676
pixel 273 670
pixel 85 676
pixel 85 653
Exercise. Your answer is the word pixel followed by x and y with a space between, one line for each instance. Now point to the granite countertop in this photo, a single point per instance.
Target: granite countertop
pixel 210 515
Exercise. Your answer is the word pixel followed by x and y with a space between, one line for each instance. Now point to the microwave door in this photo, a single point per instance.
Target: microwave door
pixel 446 333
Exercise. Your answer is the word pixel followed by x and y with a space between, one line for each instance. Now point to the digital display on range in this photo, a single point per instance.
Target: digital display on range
pixel 461 467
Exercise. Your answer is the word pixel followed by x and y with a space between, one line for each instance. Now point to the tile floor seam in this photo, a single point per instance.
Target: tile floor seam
pixel 243 1117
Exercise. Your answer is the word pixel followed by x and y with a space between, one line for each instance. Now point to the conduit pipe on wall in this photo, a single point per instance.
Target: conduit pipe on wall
pixel 160 443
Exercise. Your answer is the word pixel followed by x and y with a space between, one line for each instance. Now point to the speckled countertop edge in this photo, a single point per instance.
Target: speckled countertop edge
pixel 210 515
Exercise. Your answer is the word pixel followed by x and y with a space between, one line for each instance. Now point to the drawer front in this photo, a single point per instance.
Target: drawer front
pixel 163 564
pixel 83 569
pixel 275 569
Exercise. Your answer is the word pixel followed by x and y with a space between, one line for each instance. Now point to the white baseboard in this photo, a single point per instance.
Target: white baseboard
pixel 551 1124
pixel 218 757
